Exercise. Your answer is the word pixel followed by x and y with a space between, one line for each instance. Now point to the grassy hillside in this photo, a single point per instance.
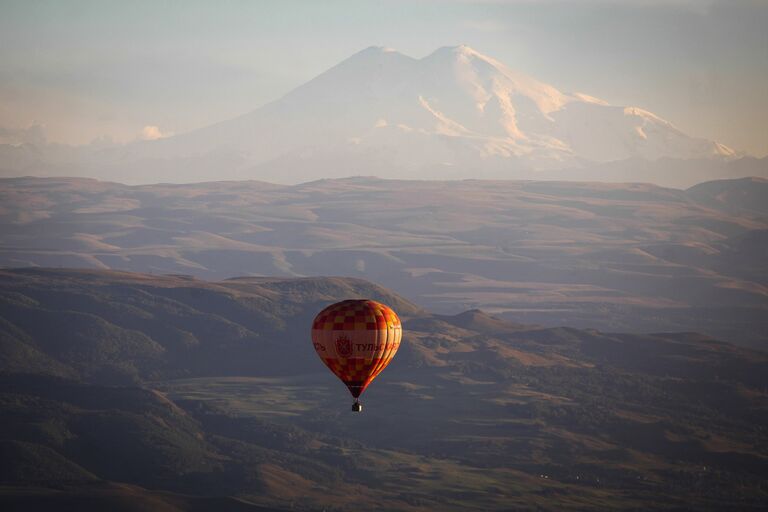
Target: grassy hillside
pixel 115 327
pixel 177 394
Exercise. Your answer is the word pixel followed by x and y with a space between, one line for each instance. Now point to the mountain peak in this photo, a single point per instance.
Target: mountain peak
pixel 378 49
pixel 461 51
pixel 383 112
pixel 452 51
pixel 374 54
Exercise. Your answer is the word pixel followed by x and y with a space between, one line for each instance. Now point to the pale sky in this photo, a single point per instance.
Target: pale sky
pixel 84 70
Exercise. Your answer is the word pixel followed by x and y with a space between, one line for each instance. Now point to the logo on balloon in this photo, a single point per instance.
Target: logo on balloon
pixel 344 346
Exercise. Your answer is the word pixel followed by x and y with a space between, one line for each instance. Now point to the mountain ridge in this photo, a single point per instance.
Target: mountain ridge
pixel 468 82
pixel 454 113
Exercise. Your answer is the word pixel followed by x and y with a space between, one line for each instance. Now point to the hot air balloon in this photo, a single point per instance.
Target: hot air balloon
pixel 356 339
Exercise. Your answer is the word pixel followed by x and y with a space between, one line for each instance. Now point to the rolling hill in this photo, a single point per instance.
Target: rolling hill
pixel 180 394
pixel 618 257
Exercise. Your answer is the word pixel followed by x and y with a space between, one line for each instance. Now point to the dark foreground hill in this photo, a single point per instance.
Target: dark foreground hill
pixel 132 392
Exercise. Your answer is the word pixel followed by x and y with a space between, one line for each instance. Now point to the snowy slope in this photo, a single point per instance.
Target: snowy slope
pixel 452 107
pixel 455 113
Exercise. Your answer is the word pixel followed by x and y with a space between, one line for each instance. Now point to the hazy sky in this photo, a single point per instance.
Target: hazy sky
pixel 90 69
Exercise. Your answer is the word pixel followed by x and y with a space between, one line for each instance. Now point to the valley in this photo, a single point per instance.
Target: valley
pixel 213 391
pixel 616 257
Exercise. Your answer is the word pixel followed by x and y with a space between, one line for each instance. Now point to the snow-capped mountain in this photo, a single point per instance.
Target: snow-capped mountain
pixel 455 113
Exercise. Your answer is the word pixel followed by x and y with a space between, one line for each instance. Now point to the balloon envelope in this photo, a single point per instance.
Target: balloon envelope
pixel 356 339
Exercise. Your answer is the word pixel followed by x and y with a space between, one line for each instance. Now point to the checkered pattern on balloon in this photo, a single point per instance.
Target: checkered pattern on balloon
pixel 356 339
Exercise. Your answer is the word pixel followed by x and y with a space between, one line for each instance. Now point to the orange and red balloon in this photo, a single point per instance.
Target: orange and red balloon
pixel 356 339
